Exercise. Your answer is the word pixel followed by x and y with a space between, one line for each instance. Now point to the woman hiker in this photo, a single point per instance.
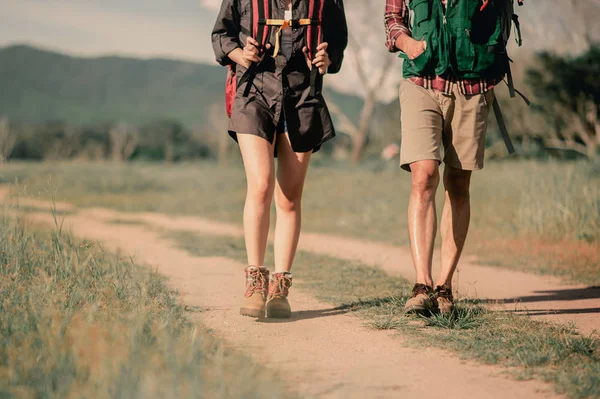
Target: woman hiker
pixel 279 50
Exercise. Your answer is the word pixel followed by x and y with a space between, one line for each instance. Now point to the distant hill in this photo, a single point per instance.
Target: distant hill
pixel 38 85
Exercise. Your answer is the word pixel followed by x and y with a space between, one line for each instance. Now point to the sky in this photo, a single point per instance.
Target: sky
pixel 142 28
pixel 180 29
pixel 149 28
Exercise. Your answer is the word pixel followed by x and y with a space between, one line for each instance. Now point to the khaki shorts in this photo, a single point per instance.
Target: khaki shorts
pixel 431 119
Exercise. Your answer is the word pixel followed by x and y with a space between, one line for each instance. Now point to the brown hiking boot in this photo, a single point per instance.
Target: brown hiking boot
pixel 445 299
pixel 423 301
pixel 278 306
pixel 256 292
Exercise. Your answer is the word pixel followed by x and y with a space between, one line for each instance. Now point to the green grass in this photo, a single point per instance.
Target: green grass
pixel 78 322
pixel 528 349
pixel 542 217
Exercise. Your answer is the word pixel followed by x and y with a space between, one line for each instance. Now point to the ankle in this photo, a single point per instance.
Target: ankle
pixel 425 281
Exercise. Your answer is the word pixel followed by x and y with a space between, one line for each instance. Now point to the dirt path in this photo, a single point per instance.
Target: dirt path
pixel 321 352
pixel 538 296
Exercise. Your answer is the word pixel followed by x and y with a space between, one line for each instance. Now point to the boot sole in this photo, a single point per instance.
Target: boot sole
pixel 420 311
pixel 256 313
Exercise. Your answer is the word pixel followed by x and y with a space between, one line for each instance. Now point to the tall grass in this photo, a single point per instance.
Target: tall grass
pixel 78 322
pixel 538 206
pixel 555 201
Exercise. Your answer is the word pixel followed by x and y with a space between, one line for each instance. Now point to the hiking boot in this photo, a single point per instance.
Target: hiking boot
pixel 445 300
pixel 256 292
pixel 423 301
pixel 278 306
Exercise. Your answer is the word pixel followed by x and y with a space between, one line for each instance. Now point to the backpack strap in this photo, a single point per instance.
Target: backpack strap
pixel 503 129
pixel 261 10
pixel 313 38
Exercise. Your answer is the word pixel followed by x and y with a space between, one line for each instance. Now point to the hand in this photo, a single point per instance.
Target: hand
pixel 413 48
pixel 320 60
pixel 251 53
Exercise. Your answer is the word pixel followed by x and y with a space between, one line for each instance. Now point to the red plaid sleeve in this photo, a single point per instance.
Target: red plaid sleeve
pixel 396 22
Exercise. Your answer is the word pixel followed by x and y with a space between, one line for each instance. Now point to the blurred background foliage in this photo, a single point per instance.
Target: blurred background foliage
pixel 59 107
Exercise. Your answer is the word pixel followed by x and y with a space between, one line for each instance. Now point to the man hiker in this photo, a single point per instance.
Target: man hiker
pixel 454 54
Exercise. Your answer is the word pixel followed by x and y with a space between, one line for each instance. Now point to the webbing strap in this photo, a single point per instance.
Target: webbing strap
pixel 503 130
pixel 315 11
pixel 289 22
pixel 517 24
pixel 260 31
pixel 283 24
pixel 509 77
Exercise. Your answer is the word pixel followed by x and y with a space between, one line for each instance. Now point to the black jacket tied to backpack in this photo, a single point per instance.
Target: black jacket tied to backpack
pixel 281 87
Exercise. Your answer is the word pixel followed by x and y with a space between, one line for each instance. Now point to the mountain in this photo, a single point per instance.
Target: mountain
pixel 39 85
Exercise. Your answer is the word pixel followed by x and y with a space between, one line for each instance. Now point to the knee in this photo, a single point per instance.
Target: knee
pixel 289 201
pixel 457 184
pixel 425 182
pixel 261 191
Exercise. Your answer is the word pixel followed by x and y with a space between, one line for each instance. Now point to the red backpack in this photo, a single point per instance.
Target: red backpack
pixel 261 26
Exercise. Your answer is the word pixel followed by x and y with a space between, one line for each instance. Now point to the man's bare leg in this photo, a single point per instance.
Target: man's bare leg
pixel 422 218
pixel 455 221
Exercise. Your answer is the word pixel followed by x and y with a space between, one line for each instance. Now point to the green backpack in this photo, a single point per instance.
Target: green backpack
pixel 467 38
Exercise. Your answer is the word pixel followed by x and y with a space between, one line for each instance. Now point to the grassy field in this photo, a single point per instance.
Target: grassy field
pixel 528 349
pixel 536 216
pixel 77 322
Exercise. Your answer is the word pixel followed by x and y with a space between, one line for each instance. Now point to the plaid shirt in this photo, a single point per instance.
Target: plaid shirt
pixel 397 22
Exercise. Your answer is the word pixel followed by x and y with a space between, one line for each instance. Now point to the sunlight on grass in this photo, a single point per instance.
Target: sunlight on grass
pixel 76 321
pixel 535 216
pixel 529 349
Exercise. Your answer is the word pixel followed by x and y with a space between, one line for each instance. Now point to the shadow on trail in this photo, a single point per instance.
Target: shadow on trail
pixel 309 314
pixel 338 310
pixel 568 294
pixel 545 312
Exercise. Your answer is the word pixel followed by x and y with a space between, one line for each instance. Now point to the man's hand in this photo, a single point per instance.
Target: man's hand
pixel 321 59
pixel 413 48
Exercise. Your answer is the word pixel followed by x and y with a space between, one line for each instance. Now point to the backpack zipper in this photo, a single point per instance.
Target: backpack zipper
pixel 445 10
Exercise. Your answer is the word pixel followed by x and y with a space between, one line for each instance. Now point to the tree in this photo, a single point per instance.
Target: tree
pixel 7 140
pixel 568 90
pixel 123 142
pixel 218 123
pixel 371 67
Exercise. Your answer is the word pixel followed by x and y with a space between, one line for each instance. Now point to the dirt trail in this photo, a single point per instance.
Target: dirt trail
pixel 538 296
pixel 320 352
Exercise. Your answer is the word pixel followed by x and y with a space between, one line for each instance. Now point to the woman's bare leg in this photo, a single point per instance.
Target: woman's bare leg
pixel 291 173
pixel 257 154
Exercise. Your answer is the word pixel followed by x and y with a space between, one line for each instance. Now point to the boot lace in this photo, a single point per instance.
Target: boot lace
pixel 443 291
pixel 421 289
pixel 255 282
pixel 280 286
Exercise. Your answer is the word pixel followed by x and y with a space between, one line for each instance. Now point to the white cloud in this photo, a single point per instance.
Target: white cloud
pixel 151 28
pixel 90 29
pixel 211 4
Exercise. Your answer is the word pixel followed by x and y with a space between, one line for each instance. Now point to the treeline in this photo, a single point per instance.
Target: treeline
pixel 162 140
pixel 564 117
pixel 563 121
